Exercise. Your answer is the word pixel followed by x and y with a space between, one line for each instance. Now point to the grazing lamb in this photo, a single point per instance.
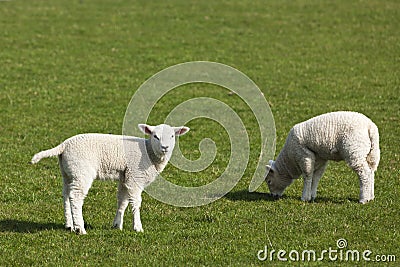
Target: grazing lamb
pixel 342 135
pixel 135 162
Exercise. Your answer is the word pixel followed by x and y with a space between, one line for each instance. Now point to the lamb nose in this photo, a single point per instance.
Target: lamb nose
pixel 164 147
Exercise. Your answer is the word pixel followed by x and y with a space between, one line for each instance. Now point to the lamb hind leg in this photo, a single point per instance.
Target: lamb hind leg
pixel 367 183
pixel 366 178
pixel 356 156
pixel 76 207
pixel 365 175
pixel 123 201
pixel 372 188
pixel 65 192
pixel 78 190
pixel 67 207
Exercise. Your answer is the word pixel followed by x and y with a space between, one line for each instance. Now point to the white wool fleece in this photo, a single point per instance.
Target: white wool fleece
pixel 342 135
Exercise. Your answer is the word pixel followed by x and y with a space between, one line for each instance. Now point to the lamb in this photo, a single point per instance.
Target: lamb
pixel 135 162
pixel 342 135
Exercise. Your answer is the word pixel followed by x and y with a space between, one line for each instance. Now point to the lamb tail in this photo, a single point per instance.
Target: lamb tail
pixel 48 153
pixel 374 154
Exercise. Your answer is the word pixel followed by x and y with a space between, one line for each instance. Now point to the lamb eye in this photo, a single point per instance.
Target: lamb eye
pixel 172 136
pixel 269 182
pixel 156 137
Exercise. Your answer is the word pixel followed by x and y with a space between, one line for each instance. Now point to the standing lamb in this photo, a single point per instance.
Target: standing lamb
pixel 342 135
pixel 135 162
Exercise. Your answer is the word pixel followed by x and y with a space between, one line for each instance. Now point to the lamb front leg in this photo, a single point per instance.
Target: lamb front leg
pixel 137 224
pixel 307 167
pixel 307 188
pixel 135 198
pixel 124 198
pixel 316 177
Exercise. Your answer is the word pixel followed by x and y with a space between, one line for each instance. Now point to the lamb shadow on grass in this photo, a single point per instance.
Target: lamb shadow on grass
pixel 244 195
pixel 18 226
pixel 249 196
pixel 336 200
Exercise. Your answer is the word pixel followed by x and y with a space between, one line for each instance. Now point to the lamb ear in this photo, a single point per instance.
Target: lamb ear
pixel 181 130
pixel 146 129
pixel 269 169
pixel 271 162
pixel 270 166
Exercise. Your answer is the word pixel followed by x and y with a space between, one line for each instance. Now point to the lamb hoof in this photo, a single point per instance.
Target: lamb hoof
pixel 80 231
pixel 138 229
pixel 69 228
pixel 116 226
pixel 364 201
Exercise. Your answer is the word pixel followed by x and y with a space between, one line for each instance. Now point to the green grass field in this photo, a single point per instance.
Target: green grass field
pixel 69 67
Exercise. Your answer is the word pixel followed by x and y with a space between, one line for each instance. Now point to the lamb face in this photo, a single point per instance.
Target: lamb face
pixel 275 182
pixel 274 188
pixel 162 137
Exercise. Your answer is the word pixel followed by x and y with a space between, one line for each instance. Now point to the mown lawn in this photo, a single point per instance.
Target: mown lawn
pixel 69 67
